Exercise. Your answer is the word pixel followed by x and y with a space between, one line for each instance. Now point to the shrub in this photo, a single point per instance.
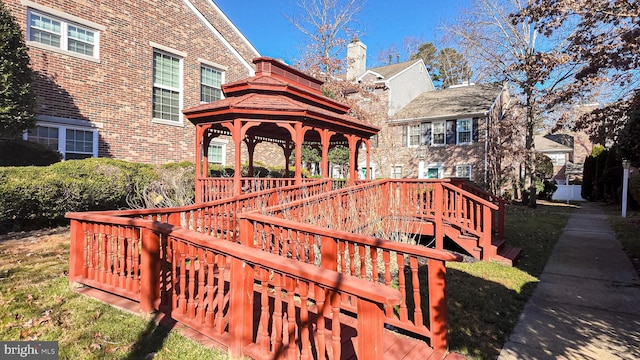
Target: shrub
pixel 175 186
pixel 26 153
pixel 35 196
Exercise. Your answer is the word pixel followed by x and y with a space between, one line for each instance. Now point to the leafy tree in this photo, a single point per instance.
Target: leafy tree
pixel 310 156
pixel 544 166
pixel 428 53
pixel 17 100
pixel 339 155
pixel 605 47
pixel 452 67
pixel 628 143
pixel 588 177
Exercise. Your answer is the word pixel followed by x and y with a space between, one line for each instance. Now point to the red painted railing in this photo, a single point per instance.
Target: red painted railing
pixel 218 218
pixel 208 285
pixel 413 269
pixel 498 217
pixel 212 189
pixel 294 231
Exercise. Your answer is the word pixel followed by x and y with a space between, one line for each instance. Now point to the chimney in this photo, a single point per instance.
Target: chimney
pixel 356 59
pixel 397 58
pixel 390 59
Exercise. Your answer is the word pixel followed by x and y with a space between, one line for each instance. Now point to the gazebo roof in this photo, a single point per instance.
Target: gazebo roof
pixel 279 93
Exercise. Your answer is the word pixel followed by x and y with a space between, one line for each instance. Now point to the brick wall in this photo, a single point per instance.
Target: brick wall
pixel 115 93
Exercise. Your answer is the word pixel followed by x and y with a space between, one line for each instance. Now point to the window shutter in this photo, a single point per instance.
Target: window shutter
pixel 451 131
pixel 425 131
pixel 405 130
pixel 474 129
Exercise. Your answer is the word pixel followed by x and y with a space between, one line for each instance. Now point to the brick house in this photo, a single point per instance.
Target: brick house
pixel 113 76
pixel 443 133
pixel 425 132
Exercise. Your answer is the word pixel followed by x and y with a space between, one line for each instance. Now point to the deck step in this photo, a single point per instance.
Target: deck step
pixel 508 255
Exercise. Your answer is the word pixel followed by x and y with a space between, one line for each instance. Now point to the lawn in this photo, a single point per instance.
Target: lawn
pixel 626 230
pixel 37 303
pixel 485 299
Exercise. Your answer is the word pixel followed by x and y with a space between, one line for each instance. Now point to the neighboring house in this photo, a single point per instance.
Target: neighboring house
pixel 444 133
pixel 395 84
pixel 112 77
pixel 427 133
pixel 567 152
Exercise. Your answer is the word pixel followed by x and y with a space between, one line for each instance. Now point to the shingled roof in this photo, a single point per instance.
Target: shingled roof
pixel 389 71
pixel 472 100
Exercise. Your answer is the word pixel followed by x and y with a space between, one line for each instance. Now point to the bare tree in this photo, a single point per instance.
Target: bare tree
pixel 327 26
pixel 515 52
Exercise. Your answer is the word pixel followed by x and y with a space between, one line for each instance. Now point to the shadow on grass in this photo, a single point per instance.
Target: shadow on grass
pixel 152 339
pixel 482 313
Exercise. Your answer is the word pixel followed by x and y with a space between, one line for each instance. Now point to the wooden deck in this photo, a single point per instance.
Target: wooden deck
pixel 395 346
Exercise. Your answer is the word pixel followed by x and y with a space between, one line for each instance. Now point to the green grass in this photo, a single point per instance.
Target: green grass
pixel 37 303
pixel 485 299
pixel 626 229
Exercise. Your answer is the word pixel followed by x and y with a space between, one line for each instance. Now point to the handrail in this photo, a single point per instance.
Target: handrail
pixel 351 285
pixel 422 251
pixel 473 196
pixel 199 206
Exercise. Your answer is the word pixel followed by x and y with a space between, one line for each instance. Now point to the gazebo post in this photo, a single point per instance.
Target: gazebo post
pixel 205 150
pixel 353 144
pixel 251 147
pixel 299 139
pixel 286 148
pixel 237 140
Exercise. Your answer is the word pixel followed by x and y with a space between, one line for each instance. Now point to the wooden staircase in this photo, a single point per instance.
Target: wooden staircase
pixel 499 251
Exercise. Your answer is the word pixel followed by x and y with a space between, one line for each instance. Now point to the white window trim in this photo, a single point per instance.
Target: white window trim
pixel 467 166
pixel 409 144
pixel 180 56
pixel 458 132
pixel 62 136
pixel 433 133
pixel 216 67
pixel 223 144
pixel 65 20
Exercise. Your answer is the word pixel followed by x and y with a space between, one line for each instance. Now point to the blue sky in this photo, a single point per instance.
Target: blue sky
pixel 383 22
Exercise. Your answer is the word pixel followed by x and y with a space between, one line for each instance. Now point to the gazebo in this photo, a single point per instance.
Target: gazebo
pixel 279 105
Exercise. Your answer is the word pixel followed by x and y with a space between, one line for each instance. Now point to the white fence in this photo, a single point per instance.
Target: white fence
pixel 568 193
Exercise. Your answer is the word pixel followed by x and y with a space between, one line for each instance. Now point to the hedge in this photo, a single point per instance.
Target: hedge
pixel 35 196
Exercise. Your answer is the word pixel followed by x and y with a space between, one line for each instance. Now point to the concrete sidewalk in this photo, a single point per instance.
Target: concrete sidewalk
pixel 587 304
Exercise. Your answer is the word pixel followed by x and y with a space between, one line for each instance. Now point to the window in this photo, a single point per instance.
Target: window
pixel 78 144
pixel 59 33
pixel 396 171
pixel 414 135
pixel 210 84
pixel 463 171
pixel 71 142
pixel 432 173
pixel 216 153
pixel 464 131
pixel 438 133
pixel 45 135
pixel 167 86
